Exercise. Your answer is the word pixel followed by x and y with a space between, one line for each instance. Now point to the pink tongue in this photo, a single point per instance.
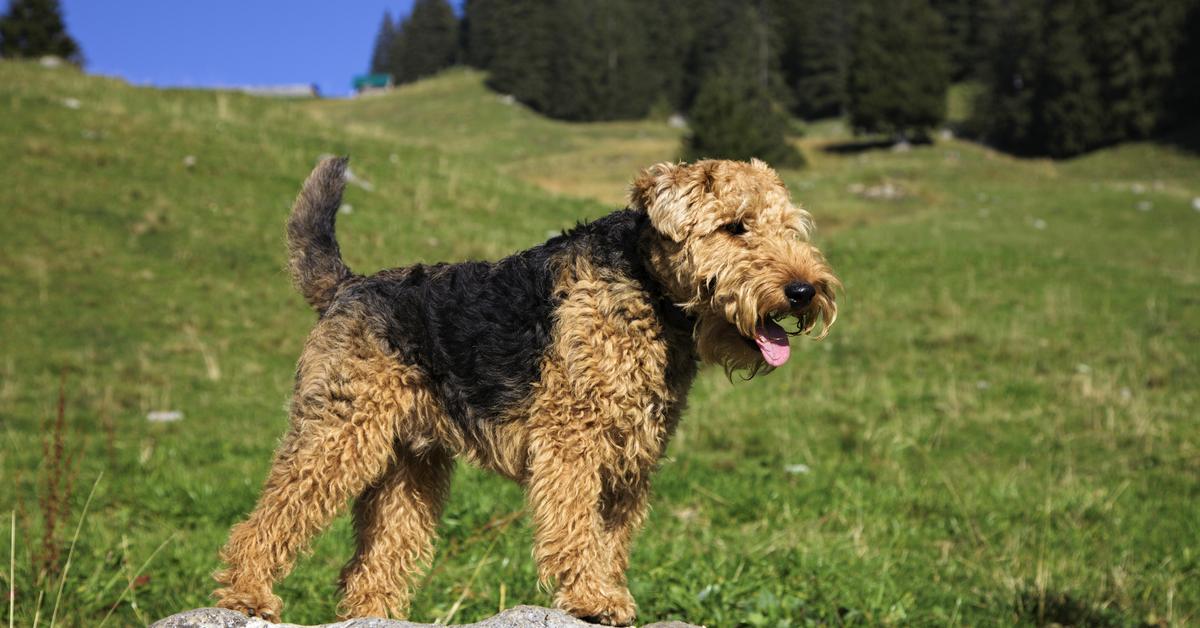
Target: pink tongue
pixel 773 342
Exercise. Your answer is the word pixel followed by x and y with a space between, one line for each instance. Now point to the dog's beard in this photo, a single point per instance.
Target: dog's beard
pixel 719 342
pixel 768 345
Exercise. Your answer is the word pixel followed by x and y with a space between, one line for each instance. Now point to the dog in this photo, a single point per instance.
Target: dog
pixel 564 367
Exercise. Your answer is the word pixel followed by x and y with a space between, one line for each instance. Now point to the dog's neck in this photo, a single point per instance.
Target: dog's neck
pixel 673 316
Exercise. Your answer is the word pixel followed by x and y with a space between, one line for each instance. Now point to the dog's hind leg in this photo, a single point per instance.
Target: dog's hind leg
pixel 394 525
pixel 344 417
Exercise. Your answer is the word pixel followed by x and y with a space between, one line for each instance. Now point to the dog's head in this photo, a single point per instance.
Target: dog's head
pixel 732 250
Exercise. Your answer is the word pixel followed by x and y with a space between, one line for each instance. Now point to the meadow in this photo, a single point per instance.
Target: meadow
pixel 1002 428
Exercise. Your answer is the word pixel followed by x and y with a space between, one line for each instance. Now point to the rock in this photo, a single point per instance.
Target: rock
pixel 519 617
pixel 164 416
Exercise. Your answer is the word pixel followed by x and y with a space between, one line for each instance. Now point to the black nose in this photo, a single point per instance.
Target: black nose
pixel 799 294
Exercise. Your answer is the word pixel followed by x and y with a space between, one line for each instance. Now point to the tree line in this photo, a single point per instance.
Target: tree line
pixel 1055 77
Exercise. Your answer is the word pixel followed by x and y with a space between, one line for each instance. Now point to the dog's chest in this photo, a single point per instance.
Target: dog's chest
pixel 615 373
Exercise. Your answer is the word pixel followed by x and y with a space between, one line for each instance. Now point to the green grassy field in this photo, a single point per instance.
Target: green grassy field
pixel 1002 427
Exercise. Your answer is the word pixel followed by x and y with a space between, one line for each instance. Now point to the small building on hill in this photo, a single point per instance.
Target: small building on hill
pixel 368 83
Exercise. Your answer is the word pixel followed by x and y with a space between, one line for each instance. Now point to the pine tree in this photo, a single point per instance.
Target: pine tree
pixel 485 31
pixel 964 23
pixel 427 41
pixel 516 38
pixel 1184 107
pixel 381 53
pixel 1003 113
pixel 1067 76
pixel 1134 44
pixel 1067 117
pixel 738 112
pixel 668 33
pixel 898 69
pixel 33 28
pixel 574 59
pixel 712 40
pixel 734 118
pixel 601 62
pixel 816 54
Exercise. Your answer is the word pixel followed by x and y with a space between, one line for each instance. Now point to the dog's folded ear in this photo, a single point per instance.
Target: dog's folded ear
pixel 665 192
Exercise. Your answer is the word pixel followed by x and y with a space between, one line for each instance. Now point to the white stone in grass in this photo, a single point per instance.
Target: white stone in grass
pixel 1145 206
pixel 1137 188
pixel 1039 224
pixel 71 103
pixel 164 416
pixel 1082 368
pixel 982 384
pixel 797 469
pixel 353 179
pixel 189 161
pixel 1196 203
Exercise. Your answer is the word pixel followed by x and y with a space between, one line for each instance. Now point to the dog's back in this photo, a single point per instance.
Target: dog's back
pixel 478 330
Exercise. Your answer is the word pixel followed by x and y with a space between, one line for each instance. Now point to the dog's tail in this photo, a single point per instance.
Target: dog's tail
pixel 313 254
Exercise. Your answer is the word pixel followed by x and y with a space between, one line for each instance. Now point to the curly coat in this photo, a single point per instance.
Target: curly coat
pixel 564 367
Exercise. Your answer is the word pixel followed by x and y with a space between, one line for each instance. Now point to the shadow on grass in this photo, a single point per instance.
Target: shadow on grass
pixel 1055 608
pixel 1187 139
pixel 855 147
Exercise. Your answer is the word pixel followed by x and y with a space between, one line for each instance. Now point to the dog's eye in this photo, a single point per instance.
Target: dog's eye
pixel 736 228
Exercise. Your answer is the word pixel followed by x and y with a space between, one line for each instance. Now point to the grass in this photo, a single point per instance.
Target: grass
pixel 1002 428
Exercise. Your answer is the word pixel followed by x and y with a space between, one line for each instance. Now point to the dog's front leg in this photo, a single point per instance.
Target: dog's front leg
pixel 624 510
pixel 571 544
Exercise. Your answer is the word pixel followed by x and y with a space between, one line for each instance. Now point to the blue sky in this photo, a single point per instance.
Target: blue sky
pixel 229 42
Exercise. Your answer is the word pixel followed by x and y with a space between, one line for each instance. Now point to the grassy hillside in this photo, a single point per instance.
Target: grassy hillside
pixel 1001 428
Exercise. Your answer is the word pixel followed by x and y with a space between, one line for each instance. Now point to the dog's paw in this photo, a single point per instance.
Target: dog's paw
pixel 609 608
pixel 263 605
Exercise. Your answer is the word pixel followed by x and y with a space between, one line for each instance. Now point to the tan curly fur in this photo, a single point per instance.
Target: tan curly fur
pixel 731 283
pixel 611 386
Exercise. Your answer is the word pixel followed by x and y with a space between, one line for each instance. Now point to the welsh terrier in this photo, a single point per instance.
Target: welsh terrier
pixel 564 367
